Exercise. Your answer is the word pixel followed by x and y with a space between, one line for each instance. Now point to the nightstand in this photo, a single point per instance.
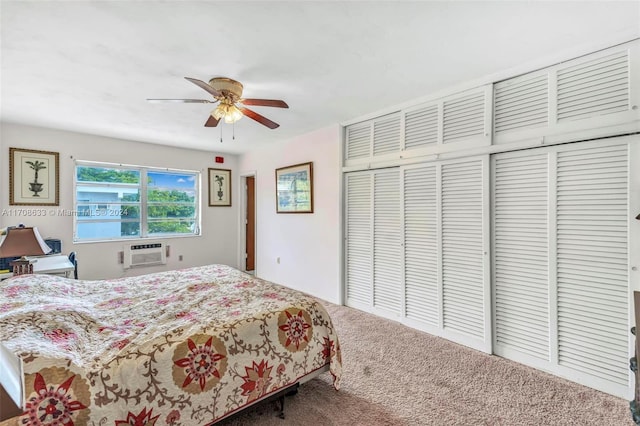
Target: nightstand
pixel 53 264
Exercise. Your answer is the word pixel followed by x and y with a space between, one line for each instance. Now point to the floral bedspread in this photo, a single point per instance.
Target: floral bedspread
pixel 184 347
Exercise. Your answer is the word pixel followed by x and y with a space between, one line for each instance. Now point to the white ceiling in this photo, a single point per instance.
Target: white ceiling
pixel 89 66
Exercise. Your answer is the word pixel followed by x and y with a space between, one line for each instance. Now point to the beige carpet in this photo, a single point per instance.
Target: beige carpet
pixel 394 375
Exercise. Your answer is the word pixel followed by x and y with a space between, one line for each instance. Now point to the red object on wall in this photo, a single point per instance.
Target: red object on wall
pixel 219 159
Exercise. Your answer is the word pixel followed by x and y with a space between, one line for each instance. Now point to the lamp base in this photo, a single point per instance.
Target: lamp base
pixel 22 266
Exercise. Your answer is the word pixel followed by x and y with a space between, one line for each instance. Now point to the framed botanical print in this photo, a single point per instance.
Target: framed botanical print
pixel 294 189
pixel 34 177
pixel 219 188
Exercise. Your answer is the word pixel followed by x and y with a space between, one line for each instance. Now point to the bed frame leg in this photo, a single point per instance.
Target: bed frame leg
pixel 281 400
pixel 293 390
pixel 281 396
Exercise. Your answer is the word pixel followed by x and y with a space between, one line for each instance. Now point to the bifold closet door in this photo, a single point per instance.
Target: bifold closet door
pixel 465 286
pixel 358 239
pixel 373 241
pixel 521 255
pixel 561 259
pixel 387 242
pixel 446 244
pixel 422 246
pixel 416 247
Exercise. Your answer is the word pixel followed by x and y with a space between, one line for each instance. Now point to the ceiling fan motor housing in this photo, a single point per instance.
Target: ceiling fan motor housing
pixel 228 87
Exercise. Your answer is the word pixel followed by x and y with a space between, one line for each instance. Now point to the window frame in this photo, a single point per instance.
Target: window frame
pixel 143 201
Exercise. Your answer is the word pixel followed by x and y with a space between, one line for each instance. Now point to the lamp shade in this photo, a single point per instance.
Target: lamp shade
pixel 23 242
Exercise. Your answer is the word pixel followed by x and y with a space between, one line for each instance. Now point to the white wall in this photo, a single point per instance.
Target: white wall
pixel 218 243
pixel 308 244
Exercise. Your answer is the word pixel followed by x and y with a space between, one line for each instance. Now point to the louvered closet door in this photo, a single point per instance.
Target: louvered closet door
pixel 359 239
pixel 387 241
pixel 416 247
pixel 521 255
pixel 422 286
pixel 374 241
pixel 463 117
pixel 463 270
pixel 592 218
pixel 594 88
pixel 386 135
pixel 358 142
pixel 561 284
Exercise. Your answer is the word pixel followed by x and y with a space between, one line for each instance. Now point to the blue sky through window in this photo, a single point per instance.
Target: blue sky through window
pixel 171 180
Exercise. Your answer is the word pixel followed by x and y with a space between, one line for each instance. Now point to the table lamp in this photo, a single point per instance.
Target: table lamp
pixel 23 241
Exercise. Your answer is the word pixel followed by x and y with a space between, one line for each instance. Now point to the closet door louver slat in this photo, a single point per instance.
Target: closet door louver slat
pixel 521 300
pixel 521 103
pixel 421 245
pixel 359 238
pixel 387 272
pixel 462 248
pixel 596 87
pixel 592 261
pixel 463 117
pixel 358 141
pixel 421 127
pixel 386 135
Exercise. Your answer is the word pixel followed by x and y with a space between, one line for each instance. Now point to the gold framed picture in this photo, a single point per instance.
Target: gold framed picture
pixel 34 177
pixel 294 189
pixel 219 188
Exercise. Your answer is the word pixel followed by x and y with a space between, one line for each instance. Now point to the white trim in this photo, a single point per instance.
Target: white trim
pixel 341 248
pixel 439 245
pixel 131 166
pixel 486 252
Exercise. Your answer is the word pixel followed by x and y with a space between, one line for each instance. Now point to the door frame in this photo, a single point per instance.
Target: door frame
pixel 242 217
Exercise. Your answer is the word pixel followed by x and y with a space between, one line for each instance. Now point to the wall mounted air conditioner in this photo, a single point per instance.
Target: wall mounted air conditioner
pixel 144 255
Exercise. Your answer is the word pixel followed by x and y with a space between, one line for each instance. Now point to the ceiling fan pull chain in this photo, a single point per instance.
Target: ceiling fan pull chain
pixel 220 134
pixel 233 131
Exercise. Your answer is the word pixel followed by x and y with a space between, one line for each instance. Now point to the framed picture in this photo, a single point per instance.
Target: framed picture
pixel 219 188
pixel 294 189
pixel 34 178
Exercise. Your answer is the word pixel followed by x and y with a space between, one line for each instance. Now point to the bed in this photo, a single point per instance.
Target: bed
pixel 184 347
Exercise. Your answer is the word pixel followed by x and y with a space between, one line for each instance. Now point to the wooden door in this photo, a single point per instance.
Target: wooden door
pixel 251 224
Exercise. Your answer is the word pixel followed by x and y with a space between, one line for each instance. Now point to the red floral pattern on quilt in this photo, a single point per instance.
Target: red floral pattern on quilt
pixel 184 347
pixel 143 418
pixel 59 397
pixel 257 380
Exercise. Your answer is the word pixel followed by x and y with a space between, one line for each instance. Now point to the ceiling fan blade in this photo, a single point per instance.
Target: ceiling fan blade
pixel 265 102
pixel 182 101
pixel 259 118
pixel 211 122
pixel 204 86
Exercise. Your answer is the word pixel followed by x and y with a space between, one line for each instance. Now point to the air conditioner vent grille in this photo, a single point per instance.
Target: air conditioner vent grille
pixel 145 255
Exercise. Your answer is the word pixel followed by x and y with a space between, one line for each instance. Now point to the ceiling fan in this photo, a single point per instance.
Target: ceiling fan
pixel 232 105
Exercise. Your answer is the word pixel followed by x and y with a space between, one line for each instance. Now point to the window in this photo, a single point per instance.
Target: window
pixel 118 202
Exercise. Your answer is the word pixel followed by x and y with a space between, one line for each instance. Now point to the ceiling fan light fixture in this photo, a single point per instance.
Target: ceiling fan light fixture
pixel 219 112
pixel 228 92
pixel 229 112
pixel 233 114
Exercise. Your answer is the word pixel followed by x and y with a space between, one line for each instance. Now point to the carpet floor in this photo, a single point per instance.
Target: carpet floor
pixel 395 375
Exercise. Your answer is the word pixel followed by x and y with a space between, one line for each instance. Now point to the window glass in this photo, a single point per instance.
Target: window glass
pixel 109 202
